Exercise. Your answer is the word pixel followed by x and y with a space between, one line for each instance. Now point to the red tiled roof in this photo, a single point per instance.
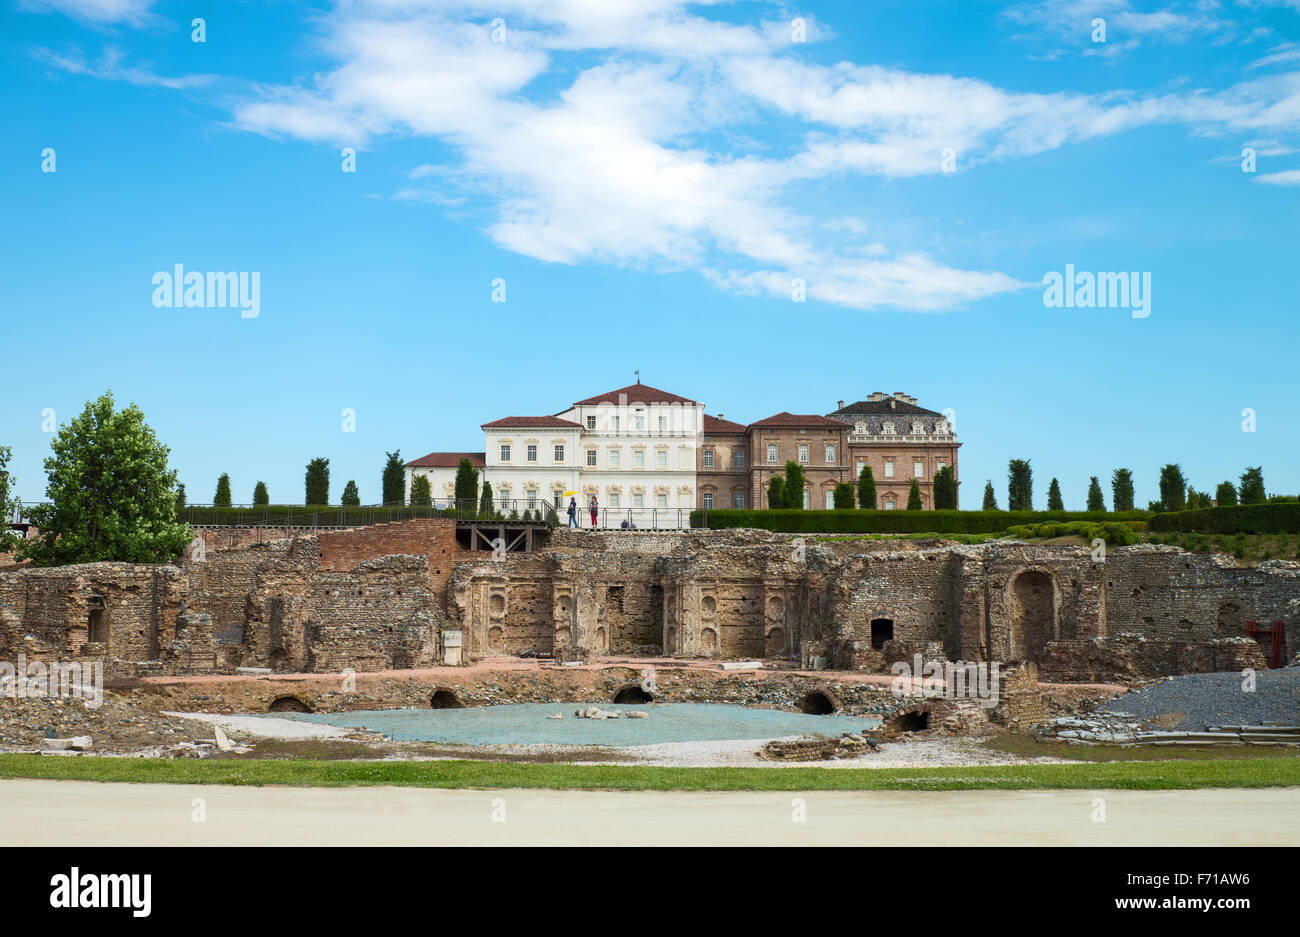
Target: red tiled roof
pixel 447 460
pixel 635 393
pixel 797 419
pixel 713 424
pixel 531 421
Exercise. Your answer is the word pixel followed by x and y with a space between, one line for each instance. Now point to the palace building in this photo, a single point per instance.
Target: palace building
pixel 649 456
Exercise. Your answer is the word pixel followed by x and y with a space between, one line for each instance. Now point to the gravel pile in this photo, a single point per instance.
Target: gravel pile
pixel 1194 701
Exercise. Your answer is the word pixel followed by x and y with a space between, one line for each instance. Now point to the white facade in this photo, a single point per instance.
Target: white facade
pixel 636 457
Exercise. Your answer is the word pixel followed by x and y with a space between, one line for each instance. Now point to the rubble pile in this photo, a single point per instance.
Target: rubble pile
pixel 812 748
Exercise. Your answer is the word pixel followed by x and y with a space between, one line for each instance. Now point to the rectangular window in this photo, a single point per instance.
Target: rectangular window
pixel 559 453
pixel 661 459
pixel 707 499
pixel 708 458
pixel 663 424
pixel 918 469
pixel 889 468
pixel 505 453
pixel 532 499
pixel 830 499
pixel 889 505
pixel 738 499
pixel 591 457
pixel 661 502
pixel 638 423
pixel 505 500
pixel 803 453
pixel 614 456
pixel 532 453
pixel 771 452
pixel 613 423
pixel 830 455
pixel 591 422
pixel 738 458
pixel 638 458
pixel 613 500
pixel 861 466
pixel 806 499
pixel 559 498
pixel 638 500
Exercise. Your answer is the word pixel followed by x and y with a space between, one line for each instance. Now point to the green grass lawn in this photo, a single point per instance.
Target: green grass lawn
pixel 1131 775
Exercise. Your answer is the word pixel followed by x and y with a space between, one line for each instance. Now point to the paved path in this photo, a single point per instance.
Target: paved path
pixel 87 813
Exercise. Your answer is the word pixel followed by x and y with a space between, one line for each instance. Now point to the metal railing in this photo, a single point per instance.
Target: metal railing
pixel 630 519
pixel 261 515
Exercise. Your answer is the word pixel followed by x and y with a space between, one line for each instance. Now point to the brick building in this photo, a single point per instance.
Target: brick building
pixel 815 442
pixel 901 441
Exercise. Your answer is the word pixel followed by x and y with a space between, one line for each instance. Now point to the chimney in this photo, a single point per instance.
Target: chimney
pixel 839 405
pixel 720 416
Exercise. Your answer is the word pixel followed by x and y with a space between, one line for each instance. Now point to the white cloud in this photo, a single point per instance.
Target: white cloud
pixel 1287 177
pixel 100 12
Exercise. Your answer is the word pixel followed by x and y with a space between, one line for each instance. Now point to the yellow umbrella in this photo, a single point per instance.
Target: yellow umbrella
pixel 569 494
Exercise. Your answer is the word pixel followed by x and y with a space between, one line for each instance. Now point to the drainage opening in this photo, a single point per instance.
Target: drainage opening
pixel 818 703
pixel 912 721
pixel 632 693
pixel 445 699
pixel 289 704
pixel 882 630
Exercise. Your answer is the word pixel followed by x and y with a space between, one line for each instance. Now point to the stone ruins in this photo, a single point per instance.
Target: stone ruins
pixel 408 595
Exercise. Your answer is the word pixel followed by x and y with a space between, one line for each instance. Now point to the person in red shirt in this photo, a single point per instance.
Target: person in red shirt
pixel 592 507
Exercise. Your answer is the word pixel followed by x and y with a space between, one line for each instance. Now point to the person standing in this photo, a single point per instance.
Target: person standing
pixel 573 512
pixel 593 508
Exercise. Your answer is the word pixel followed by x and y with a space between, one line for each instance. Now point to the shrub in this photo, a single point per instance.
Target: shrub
pixel 843 496
pixel 1271 517
pixel 896 522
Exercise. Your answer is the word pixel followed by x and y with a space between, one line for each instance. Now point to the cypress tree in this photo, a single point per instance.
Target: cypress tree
pixel 421 490
pixel 466 485
pixel 393 480
pixel 318 481
pixel 990 499
pixel 866 489
pixel 914 497
pixel 1095 500
pixel 260 495
pixel 794 483
pixel 1226 494
pixel 843 496
pixel 485 502
pixel 1121 490
pixel 1173 488
pixel 1020 485
pixel 776 492
pixel 1054 501
pixel 180 501
pixel 222 498
pixel 351 496
pixel 945 489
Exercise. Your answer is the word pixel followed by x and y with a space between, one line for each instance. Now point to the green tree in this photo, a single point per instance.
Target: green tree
pixel 222 498
pixel 421 490
pixel 1226 494
pixel 111 494
pixel 914 497
pixel 485 502
pixel 8 505
pixel 318 481
pixel 1054 501
pixel 351 496
pixel 945 489
pixel 260 495
pixel 866 489
pixel 1121 489
pixel 990 499
pixel 1173 488
pixel 1096 502
pixel 1251 489
pixel 1020 485
pixel 794 485
pixel 394 478
pixel 466 484
pixel 180 502
pixel 776 492
pixel 843 496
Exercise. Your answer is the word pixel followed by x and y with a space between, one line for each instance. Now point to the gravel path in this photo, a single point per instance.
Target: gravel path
pixel 262 727
pixel 1205 699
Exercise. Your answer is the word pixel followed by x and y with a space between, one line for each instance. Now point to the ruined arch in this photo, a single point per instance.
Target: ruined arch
pixel 1032 608
pixel 820 703
pixel 288 704
pixel 632 693
pixel 443 698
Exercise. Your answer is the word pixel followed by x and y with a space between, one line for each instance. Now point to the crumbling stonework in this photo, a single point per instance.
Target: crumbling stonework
pixel 380 597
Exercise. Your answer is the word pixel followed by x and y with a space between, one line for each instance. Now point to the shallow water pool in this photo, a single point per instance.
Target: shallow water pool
pixel 526 724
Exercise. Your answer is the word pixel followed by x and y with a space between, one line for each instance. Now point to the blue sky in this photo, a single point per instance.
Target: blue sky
pixel 650 179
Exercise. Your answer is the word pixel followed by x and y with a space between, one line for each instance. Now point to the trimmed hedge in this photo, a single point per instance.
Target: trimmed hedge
pixel 1115 534
pixel 1271 517
pixel 898 522
pixel 325 515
